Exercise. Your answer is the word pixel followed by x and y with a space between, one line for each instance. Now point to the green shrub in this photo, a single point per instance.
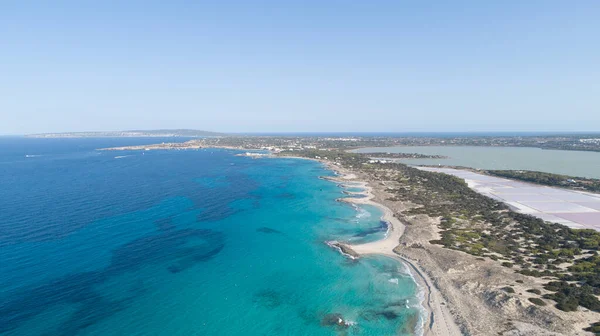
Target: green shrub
pixel 594 327
pixel 537 301
pixel 508 289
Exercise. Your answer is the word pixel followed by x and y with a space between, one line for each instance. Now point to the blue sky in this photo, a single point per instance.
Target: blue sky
pixel 266 66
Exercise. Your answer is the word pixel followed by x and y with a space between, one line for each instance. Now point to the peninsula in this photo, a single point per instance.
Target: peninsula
pixel 576 142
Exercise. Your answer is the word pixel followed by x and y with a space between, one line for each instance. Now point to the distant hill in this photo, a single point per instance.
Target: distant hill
pixel 131 134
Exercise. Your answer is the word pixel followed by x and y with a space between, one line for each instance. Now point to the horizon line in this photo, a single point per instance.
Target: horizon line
pixel 557 132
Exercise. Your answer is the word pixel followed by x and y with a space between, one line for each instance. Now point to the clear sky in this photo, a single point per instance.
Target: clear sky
pixel 315 65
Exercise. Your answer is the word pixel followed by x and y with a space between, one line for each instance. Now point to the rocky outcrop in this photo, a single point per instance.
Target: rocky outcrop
pixel 344 249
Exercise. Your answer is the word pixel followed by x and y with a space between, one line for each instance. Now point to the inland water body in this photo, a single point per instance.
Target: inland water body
pixel 574 163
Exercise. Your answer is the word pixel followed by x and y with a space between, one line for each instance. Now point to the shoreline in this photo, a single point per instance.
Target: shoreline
pixel 468 293
pixel 461 292
pixel 437 319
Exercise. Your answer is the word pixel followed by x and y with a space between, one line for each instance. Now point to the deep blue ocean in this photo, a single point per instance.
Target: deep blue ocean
pixel 197 242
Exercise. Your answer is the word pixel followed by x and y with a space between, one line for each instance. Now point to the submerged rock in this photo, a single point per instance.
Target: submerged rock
pixel 265 229
pixel 388 314
pixel 268 298
pixel 334 320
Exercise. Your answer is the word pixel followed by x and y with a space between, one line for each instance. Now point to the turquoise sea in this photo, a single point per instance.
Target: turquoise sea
pixel 185 243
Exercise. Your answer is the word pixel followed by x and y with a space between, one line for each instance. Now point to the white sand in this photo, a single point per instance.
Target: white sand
pixel 439 321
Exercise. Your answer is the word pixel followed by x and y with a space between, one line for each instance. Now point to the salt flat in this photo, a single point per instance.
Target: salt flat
pixel 576 209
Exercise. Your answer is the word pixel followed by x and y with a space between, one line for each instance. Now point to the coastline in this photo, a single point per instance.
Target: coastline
pixel 457 299
pixel 437 320
pixel 461 292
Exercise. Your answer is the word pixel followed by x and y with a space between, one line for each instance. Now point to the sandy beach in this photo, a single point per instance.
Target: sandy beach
pixel 438 320
pixel 462 294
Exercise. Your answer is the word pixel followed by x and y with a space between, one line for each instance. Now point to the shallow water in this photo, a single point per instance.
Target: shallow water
pixel 185 243
pixel 574 163
pixel 354 189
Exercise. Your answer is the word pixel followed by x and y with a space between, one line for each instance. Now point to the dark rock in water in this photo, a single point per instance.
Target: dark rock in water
pixel 344 249
pixel 378 314
pixel 216 214
pixel 388 314
pixel 168 245
pixel 265 229
pixel 268 298
pixel 334 320
pixel 193 257
pixel 396 304
pixel 382 227
pixel 350 262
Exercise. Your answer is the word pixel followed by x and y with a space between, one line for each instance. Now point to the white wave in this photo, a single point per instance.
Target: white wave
pixel 362 213
pixel 393 280
pixel 32 156
pixel 419 303
pixel 334 244
pixel 405 269
pixel 121 156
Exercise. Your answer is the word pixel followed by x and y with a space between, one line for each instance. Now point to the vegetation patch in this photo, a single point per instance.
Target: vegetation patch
pixel 537 301
pixel 549 179
pixel 508 289
pixel 595 328
pixel 569 296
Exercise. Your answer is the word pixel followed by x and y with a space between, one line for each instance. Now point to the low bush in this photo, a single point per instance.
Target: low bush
pixel 537 301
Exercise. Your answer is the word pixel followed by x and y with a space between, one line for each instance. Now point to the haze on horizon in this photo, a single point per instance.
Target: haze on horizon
pixel 312 66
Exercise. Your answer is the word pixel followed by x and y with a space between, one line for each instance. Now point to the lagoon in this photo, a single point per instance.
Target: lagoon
pixel 574 163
